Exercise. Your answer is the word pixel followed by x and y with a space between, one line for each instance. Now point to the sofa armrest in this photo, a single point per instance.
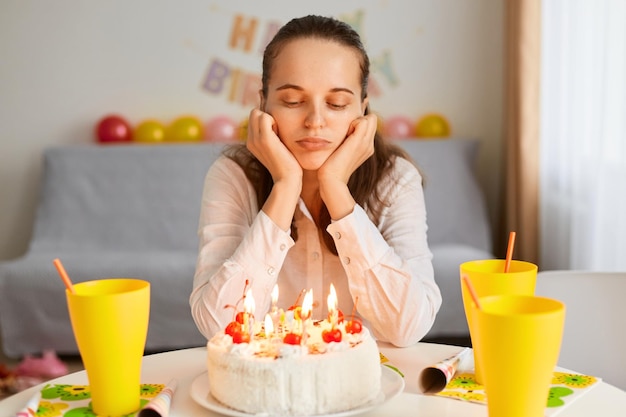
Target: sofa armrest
pixel 447 259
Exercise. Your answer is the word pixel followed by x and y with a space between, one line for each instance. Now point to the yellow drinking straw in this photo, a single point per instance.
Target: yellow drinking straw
pixel 509 252
pixel 66 279
pixel 468 284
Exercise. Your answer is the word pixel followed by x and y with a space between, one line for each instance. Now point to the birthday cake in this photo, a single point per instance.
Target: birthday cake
pixel 322 367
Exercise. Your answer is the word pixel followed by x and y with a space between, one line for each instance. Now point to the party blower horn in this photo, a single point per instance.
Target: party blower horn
pixel 434 379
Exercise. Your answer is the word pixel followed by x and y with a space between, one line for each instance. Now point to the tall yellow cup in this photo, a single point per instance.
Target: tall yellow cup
pixel 520 340
pixel 110 322
pixel 488 278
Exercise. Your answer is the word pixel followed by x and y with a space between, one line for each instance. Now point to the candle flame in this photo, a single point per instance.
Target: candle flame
pixel 248 303
pixel 269 325
pixel 307 304
pixel 331 300
pixel 275 294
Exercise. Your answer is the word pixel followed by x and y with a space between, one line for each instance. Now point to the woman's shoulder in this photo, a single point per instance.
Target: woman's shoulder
pixel 224 165
pixel 225 168
pixel 402 177
pixel 231 156
pixel 226 178
pixel 403 169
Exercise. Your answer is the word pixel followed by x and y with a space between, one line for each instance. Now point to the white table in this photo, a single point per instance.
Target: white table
pixel 185 365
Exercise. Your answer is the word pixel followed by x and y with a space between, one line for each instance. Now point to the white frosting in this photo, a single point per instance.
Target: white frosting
pixel 269 377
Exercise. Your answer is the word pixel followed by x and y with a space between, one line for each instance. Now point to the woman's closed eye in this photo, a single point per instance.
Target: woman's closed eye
pixel 337 106
pixel 292 103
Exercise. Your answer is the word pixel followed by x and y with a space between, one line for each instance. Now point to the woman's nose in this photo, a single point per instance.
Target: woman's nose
pixel 315 117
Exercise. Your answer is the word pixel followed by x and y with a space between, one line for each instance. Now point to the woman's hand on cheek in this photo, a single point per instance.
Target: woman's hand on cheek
pixel 264 143
pixel 356 148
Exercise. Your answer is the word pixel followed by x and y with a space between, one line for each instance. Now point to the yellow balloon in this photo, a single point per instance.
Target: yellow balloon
pixel 149 131
pixel 432 125
pixel 185 129
pixel 380 123
pixel 243 130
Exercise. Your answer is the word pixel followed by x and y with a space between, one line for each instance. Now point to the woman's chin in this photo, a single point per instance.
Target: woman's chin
pixel 312 162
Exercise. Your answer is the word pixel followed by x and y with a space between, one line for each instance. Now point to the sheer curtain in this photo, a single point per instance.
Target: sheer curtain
pixel 583 135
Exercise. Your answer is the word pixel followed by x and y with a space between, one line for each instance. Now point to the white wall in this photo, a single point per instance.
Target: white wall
pixel 67 63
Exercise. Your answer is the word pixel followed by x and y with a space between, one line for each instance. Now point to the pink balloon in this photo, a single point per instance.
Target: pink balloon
pixel 398 127
pixel 221 129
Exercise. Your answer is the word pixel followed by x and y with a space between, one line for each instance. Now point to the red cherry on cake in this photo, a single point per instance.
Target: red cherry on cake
pixel 241 337
pixel 332 335
pixel 235 330
pixel 232 328
pixel 240 317
pixel 354 326
pixel 292 339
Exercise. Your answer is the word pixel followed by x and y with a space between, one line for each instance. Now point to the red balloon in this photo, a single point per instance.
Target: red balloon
pixel 221 129
pixel 113 128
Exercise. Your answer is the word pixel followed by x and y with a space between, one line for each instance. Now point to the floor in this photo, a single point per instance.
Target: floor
pixel 8 384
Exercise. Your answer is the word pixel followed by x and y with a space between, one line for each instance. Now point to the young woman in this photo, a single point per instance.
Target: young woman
pixel 316 197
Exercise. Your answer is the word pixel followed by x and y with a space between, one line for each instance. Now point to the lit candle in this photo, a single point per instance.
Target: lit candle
pixel 248 316
pixel 274 311
pixel 331 301
pixel 307 305
pixel 275 298
pixel 269 326
pixel 305 312
pixel 282 322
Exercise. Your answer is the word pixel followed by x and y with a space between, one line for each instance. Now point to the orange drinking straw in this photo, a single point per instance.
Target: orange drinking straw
pixel 468 284
pixel 66 279
pixel 509 252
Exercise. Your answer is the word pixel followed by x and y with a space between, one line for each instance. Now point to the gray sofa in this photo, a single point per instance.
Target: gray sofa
pixel 132 211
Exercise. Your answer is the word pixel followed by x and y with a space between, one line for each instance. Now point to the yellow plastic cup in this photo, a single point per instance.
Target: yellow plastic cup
pixel 520 340
pixel 488 278
pixel 110 323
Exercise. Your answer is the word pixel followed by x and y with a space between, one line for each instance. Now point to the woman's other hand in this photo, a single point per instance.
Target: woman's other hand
pixel 333 176
pixel 355 149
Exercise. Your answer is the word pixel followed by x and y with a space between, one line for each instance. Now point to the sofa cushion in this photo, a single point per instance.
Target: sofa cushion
pixel 131 197
pixel 455 203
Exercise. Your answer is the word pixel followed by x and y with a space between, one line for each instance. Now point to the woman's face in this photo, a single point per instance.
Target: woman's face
pixel 314 94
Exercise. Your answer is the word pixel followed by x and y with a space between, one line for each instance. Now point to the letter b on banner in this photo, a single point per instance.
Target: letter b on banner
pixel 215 79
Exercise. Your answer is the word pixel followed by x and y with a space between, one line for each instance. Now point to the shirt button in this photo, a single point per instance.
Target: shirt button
pixel 283 246
pixel 316 255
pixel 271 270
pixel 346 260
pixel 337 235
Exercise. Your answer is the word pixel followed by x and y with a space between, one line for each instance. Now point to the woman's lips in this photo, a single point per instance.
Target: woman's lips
pixel 313 144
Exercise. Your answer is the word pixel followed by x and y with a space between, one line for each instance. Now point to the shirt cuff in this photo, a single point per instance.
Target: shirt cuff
pixel 264 248
pixel 358 242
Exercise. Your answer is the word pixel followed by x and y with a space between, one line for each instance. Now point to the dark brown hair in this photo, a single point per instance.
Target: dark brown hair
pixel 363 182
